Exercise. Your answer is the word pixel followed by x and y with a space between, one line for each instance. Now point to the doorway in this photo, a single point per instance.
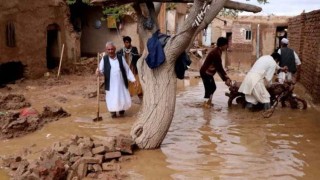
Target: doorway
pixel 53 44
pixel 228 61
pixel 10 72
pixel 281 32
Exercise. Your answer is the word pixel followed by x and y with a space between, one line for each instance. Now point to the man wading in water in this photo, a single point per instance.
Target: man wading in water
pixel 211 65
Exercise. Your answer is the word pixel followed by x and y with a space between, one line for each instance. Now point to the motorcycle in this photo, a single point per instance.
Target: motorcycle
pixel 279 92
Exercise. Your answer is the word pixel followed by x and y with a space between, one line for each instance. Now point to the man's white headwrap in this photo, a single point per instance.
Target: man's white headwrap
pixel 284 41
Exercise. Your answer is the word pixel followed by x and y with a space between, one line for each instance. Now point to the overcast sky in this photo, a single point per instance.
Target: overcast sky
pixel 284 7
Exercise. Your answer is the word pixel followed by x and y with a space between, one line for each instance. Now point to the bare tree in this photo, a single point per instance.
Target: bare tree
pixel 159 84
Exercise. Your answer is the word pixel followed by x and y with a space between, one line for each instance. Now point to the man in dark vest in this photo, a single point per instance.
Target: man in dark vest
pixel 290 59
pixel 116 75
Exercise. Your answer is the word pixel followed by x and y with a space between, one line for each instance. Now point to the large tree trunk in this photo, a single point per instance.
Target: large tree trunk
pixel 158 106
pixel 159 85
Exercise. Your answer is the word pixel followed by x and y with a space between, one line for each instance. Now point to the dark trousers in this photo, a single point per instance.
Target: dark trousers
pixel 115 113
pixel 209 84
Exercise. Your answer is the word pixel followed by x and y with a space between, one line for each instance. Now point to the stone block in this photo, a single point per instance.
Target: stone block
pixel 100 157
pixel 109 166
pixel 76 150
pixel 87 153
pixel 99 150
pixel 86 160
pixel 124 144
pixel 112 155
pixel 97 168
pixel 82 170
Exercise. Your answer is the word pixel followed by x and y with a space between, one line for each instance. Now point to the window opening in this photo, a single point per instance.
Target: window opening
pixel 248 35
pixel 10 35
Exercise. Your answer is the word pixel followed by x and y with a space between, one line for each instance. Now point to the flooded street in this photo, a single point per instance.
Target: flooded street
pixel 223 143
pixel 216 143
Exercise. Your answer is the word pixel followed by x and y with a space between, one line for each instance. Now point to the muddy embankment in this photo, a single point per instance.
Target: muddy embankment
pixel 18 118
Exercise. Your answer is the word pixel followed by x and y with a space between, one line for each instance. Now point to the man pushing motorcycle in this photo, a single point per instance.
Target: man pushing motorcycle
pixel 253 85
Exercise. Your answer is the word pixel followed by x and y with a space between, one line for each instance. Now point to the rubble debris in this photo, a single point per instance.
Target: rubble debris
pixel 76 158
pixel 29 111
pixel 13 102
pixel 54 113
pixel 85 66
pixel 17 123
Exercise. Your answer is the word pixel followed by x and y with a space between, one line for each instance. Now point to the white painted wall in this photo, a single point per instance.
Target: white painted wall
pixel 206 36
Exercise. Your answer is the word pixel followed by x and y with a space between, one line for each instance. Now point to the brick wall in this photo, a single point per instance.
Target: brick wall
pixel 304 37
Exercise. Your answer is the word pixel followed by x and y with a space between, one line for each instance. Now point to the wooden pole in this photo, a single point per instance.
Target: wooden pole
pixel 98 88
pixel 61 55
pixel 98 118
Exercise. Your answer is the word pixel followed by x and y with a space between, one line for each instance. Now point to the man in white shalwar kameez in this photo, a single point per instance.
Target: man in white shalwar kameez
pixel 117 74
pixel 253 85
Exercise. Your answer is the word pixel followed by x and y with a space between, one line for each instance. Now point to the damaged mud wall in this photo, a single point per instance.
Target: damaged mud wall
pixel 241 53
pixel 243 50
pixel 27 28
pixel 304 36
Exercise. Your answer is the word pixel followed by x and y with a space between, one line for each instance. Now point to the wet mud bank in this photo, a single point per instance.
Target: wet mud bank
pixel 18 118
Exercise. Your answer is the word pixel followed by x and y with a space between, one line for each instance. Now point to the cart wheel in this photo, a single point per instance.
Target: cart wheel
pixel 298 103
pixel 286 103
pixel 230 101
pixel 241 100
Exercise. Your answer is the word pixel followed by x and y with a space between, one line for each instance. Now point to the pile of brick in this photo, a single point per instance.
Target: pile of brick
pixel 77 158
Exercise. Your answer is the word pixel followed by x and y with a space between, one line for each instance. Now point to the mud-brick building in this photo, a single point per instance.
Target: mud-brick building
pixel 34 33
pixel 249 37
pixel 304 38
pixel 253 36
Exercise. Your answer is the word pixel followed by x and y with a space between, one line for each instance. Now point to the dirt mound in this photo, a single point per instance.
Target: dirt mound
pixel 53 113
pixel 13 102
pixel 76 158
pixel 18 123
pixel 85 66
pixel 52 81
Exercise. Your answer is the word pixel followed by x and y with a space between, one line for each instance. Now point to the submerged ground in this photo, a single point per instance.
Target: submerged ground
pixel 215 143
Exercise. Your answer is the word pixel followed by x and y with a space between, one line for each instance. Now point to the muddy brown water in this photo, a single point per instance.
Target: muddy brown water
pixel 216 143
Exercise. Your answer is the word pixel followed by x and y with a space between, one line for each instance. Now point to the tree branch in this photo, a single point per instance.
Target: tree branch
pixel 157 7
pixel 242 6
pixel 229 4
pixel 181 40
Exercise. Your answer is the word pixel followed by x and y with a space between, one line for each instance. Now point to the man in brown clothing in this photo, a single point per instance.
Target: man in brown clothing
pixel 211 65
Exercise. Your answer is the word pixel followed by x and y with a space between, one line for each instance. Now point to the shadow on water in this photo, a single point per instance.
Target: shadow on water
pixel 215 143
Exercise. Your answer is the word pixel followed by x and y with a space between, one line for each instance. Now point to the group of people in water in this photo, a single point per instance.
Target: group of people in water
pixel 285 61
pixel 121 74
